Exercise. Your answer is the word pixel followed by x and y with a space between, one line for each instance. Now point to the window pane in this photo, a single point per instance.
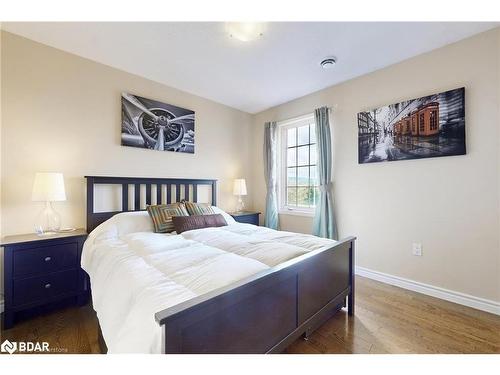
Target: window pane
pixel 291 176
pixel 303 135
pixel 305 196
pixel 291 137
pixel 291 196
pixel 314 177
pixel 314 154
pixel 303 176
pixel 291 157
pixel 313 133
pixel 303 155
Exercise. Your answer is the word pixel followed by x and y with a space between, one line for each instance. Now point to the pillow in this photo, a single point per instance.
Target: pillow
pixel 198 208
pixel 162 216
pixel 124 223
pixel 119 225
pixel 229 219
pixel 185 223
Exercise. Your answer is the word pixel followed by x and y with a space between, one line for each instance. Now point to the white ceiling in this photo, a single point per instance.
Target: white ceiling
pixel 202 59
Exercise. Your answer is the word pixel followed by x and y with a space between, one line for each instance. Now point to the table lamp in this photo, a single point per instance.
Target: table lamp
pixel 239 189
pixel 48 188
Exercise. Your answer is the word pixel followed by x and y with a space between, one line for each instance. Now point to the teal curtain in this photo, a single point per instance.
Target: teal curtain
pixel 324 220
pixel 271 171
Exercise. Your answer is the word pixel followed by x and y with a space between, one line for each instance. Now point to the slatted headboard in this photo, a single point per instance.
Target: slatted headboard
pixel 181 185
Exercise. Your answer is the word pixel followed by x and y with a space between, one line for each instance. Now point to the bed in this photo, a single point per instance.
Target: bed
pixel 233 289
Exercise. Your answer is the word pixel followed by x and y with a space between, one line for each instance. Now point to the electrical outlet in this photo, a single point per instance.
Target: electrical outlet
pixel 416 249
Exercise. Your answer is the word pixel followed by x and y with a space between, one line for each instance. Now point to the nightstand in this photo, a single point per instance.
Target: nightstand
pixel 42 271
pixel 248 217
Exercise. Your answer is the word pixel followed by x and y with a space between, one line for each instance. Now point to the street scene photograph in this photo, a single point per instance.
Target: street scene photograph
pixel 426 127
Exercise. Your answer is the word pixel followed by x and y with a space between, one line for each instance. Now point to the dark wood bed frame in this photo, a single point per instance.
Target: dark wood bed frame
pixel 263 313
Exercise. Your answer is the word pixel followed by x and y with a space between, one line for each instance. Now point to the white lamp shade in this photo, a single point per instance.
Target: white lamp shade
pixel 48 187
pixel 240 187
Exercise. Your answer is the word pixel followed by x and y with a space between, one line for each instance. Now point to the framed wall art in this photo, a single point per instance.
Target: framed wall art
pixel 154 125
pixel 426 127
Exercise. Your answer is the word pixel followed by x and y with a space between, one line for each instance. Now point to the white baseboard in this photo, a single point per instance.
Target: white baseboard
pixel 430 290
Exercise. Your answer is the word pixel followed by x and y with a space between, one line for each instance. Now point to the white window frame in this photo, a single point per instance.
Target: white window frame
pixel 283 126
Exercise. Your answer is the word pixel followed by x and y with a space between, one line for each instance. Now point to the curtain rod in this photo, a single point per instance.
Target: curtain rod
pixel 305 115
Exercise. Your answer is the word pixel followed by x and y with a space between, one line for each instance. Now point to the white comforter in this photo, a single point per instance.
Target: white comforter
pixel 135 273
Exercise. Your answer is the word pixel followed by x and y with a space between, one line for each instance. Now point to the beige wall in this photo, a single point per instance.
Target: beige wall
pixel 62 113
pixel 450 205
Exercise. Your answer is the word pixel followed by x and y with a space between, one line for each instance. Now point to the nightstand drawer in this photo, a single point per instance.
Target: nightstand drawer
pixel 249 219
pixel 46 259
pixel 41 288
pixel 246 217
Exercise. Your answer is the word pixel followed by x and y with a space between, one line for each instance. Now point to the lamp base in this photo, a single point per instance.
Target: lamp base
pixel 66 230
pixel 240 206
pixel 48 221
pixel 46 234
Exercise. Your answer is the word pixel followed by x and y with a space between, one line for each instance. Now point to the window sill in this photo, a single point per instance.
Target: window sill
pixel 296 213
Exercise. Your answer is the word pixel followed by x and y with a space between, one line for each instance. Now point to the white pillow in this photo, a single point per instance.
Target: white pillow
pixel 118 225
pixel 123 223
pixel 229 219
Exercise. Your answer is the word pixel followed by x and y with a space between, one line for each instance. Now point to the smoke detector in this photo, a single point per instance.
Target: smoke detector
pixel 328 63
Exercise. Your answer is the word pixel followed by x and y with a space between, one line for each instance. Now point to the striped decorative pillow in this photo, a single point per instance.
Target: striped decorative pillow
pixel 199 208
pixel 162 216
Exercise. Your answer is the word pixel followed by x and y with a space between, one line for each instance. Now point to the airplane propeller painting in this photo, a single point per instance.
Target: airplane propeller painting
pixel 148 123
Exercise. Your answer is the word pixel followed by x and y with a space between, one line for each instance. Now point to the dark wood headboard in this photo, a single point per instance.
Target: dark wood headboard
pixel 181 184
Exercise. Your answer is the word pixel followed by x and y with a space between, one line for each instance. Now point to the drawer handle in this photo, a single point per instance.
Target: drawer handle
pixel 48 259
pixel 47 286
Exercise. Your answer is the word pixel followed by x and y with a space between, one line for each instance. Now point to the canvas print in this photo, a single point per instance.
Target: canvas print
pixel 147 123
pixel 426 127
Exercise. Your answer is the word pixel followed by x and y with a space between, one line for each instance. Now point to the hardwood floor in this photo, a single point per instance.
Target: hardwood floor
pixel 70 330
pixel 388 320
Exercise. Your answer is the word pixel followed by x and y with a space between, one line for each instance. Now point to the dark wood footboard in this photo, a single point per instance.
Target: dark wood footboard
pixel 265 312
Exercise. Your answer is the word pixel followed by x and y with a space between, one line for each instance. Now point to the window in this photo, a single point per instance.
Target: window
pixel 433 120
pixel 298 184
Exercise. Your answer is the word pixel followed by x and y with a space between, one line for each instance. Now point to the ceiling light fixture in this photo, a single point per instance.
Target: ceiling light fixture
pixel 328 63
pixel 245 31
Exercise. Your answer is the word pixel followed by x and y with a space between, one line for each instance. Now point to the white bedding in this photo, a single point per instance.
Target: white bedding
pixel 135 273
